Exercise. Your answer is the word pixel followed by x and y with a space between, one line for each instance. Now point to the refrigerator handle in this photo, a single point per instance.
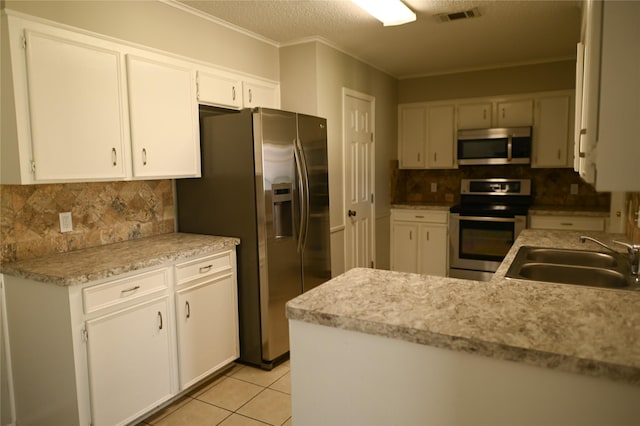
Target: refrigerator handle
pixel 306 193
pixel 303 207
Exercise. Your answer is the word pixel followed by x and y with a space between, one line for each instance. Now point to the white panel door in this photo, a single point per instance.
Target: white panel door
pixel 76 110
pixel 219 90
pixel 129 362
pixel 515 113
pixel 260 95
pixel 474 116
pixel 207 322
pixel 552 132
pixel 441 136
pixel 358 122
pixel 164 119
pixel 412 136
pixel 404 246
pixel 433 250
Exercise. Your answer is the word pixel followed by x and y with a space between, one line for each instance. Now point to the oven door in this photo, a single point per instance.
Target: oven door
pixel 480 243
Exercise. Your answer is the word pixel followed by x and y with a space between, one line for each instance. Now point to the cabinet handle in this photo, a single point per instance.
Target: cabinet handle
pixel 204 269
pixel 503 112
pixel 144 156
pixel 160 316
pixel 250 96
pixel 435 157
pixel 427 235
pixel 419 217
pixel 410 235
pixel 114 157
pixel 188 308
pixel 566 223
pixel 129 290
pixel 559 152
pixel 484 114
pixel 233 92
pixel 418 157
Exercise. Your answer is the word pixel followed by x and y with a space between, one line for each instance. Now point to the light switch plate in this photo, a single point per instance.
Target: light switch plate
pixel 434 187
pixel 66 225
pixel 574 189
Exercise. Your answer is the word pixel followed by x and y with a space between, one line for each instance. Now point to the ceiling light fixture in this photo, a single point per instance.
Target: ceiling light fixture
pixel 389 12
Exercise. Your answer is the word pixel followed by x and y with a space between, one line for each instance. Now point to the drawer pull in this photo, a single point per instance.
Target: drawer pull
pixel 204 269
pixel 419 217
pixel 188 309
pixel 129 290
pixel 566 224
pixel 160 316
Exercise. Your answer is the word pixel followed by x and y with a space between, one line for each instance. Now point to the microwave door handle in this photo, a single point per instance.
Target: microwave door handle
pixel 509 148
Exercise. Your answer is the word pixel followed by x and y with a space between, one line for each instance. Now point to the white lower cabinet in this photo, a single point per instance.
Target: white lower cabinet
pixel 207 325
pixel 419 241
pixel 107 352
pixel 567 222
pixel 129 357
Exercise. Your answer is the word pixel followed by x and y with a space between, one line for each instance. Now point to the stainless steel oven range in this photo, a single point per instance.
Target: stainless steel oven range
pixel 483 227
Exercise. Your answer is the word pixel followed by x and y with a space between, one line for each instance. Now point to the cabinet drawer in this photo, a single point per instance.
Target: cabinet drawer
pixel 575 223
pixel 114 292
pixel 203 266
pixel 420 216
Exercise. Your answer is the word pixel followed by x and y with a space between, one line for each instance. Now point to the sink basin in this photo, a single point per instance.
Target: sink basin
pixel 571 257
pixel 568 266
pixel 571 274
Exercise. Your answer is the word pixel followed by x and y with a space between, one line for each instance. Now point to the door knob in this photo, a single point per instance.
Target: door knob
pixel 351 213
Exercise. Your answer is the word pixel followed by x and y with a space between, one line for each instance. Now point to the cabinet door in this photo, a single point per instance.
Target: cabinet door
pixel 412 136
pixel 515 113
pixel 433 250
pixel 551 135
pixel 207 322
pixel 129 360
pixel 260 95
pixel 441 136
pixel 219 90
pixel 164 119
pixel 76 110
pixel 474 116
pixel 404 246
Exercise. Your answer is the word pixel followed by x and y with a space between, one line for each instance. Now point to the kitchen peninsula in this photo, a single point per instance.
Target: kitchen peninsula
pixel 416 349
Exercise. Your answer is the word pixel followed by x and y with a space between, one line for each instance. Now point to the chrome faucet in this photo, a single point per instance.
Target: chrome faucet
pixel 632 249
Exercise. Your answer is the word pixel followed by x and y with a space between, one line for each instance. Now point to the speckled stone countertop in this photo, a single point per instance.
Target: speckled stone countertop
pixel 577 329
pixel 81 266
pixel 423 206
pixel 566 211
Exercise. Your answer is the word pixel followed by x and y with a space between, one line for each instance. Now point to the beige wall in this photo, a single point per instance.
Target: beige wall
pixel 162 26
pixel 313 77
pixel 500 81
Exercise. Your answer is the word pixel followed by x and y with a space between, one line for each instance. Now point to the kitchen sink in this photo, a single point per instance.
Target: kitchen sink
pixel 571 257
pixel 571 274
pixel 568 266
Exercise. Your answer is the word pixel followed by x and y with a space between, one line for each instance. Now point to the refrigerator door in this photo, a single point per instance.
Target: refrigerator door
pixel 277 199
pixel 316 255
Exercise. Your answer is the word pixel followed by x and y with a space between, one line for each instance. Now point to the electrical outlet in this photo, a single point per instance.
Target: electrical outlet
pixel 574 189
pixel 448 197
pixel 66 225
pixel 434 187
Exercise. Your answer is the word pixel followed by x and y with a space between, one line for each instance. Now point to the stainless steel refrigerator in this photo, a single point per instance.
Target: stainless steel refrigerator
pixel 264 180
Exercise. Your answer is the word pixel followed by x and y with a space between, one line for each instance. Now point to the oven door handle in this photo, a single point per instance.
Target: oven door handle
pixel 489 219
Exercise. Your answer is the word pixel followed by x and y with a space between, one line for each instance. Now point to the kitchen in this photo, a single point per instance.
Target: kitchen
pixel 146 207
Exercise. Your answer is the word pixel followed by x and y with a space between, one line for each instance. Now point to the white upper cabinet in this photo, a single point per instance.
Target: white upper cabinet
pixel 75 101
pixel 616 154
pixel 552 136
pixel 259 94
pixel 164 119
pixel 218 89
pixel 515 113
pixel 441 136
pixel 474 116
pixel 412 121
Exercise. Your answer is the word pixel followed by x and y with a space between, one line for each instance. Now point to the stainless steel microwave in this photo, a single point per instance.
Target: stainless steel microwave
pixel 506 145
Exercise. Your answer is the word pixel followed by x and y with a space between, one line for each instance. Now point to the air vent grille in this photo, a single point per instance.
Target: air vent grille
pixel 456 16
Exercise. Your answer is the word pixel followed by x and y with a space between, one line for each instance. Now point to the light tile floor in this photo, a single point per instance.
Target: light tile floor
pixel 242 396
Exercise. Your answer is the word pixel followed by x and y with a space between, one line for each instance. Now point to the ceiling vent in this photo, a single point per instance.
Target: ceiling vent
pixel 456 16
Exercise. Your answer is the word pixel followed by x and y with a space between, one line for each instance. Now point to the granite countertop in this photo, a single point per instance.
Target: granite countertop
pixel 544 210
pixel 423 206
pixel 81 266
pixel 577 329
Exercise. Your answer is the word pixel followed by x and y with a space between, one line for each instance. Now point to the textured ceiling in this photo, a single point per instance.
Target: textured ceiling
pixel 507 33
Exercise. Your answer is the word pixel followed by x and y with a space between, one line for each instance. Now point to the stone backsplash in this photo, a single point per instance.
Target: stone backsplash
pixel 550 187
pixel 102 213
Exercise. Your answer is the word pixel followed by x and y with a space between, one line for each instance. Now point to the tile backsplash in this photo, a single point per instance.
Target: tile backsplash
pixel 550 187
pixel 102 213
